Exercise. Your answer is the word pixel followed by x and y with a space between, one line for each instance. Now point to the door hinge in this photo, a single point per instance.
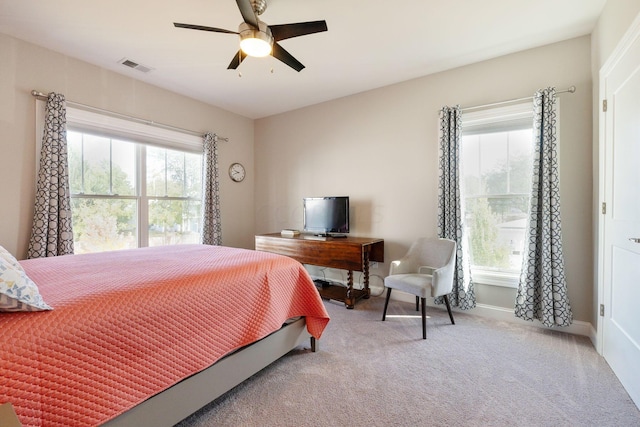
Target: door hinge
pixel 601 309
pixel 604 105
pixel 604 208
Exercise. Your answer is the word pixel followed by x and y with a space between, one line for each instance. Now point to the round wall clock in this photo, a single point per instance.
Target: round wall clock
pixel 237 172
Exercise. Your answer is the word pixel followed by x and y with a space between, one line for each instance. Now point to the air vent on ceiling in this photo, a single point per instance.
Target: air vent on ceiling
pixel 132 64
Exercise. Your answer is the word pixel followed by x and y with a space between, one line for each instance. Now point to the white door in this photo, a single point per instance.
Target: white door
pixel 621 250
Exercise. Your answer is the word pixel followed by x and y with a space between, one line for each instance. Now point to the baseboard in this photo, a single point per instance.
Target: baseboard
pixel 507 315
pixel 578 327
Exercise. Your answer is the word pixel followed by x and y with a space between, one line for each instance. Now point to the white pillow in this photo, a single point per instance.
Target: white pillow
pixel 17 291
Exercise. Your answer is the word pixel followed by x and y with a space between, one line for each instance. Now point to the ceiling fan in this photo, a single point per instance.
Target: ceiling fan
pixel 259 39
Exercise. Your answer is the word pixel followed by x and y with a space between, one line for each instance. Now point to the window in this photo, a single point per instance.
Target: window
pixel 496 159
pixel 129 189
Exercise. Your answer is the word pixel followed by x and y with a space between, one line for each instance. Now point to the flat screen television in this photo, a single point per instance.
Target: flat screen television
pixel 326 216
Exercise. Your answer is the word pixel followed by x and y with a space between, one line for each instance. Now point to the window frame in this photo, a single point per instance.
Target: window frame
pixel 140 132
pixel 493 120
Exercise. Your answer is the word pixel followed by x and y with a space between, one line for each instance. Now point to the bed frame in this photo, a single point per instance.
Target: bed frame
pixel 186 397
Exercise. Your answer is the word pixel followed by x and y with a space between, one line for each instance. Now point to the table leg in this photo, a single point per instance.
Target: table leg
pixel 365 272
pixel 350 299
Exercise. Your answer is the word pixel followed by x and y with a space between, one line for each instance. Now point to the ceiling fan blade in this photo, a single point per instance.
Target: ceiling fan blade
pixel 202 28
pixel 247 12
pixel 278 52
pixel 235 62
pixel 287 31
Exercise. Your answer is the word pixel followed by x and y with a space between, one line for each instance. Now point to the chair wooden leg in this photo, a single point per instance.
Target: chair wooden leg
pixel 424 318
pixel 446 301
pixel 386 303
pixel 417 303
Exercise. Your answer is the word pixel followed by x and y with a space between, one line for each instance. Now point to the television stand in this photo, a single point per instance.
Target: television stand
pixel 345 253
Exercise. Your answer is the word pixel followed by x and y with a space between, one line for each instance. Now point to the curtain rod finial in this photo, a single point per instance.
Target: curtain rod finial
pixel 571 89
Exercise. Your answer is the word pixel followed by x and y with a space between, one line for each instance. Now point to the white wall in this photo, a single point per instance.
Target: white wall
pixel 24 67
pixel 380 148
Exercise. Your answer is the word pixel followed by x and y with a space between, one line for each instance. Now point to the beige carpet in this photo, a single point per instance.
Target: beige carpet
pixel 479 372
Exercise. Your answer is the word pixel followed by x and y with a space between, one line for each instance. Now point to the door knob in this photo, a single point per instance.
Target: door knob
pixel 635 239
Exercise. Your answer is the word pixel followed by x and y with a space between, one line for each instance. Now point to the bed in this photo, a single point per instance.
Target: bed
pixel 150 335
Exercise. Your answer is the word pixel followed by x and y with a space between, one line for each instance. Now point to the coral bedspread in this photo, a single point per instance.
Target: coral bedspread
pixel 126 325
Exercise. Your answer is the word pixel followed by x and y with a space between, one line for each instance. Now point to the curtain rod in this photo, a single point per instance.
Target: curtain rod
pixel 44 96
pixel 571 89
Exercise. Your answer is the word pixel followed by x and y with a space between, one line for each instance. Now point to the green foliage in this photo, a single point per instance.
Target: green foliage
pixel 108 223
pixel 173 221
pixel 514 177
pixel 104 224
pixel 486 250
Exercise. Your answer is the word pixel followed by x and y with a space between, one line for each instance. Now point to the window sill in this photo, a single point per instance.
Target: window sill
pixel 495 278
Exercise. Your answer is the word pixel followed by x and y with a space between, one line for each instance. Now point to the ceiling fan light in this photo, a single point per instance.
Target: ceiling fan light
pixel 255 47
pixel 254 42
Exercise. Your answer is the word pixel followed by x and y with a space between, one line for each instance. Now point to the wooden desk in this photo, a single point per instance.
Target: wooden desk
pixel 346 253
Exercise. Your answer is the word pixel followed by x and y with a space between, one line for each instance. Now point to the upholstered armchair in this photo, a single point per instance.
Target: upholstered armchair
pixel 426 270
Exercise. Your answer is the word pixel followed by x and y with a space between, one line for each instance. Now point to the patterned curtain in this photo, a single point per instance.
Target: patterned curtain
pixel 211 226
pixel 52 232
pixel 542 291
pixel 450 208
